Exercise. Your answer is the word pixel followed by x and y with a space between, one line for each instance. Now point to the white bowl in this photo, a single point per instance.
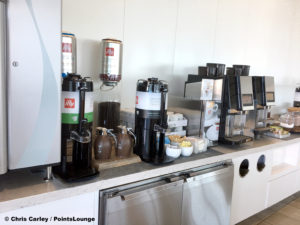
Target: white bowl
pixel 173 151
pixel 186 151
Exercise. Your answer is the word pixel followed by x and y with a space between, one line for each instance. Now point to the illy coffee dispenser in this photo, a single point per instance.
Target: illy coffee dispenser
pixel 264 98
pixel 151 120
pixel 110 89
pixel 77 119
pixel 237 100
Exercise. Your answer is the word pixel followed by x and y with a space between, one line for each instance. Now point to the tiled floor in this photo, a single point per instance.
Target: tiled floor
pixel 286 212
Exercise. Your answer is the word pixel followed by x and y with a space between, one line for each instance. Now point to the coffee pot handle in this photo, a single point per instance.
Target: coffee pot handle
pixel 130 131
pixel 110 133
pixel 101 130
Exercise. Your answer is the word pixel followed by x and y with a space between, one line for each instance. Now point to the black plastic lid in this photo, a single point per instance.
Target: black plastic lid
pixel 151 85
pixel 244 69
pixel 229 71
pixel 202 70
pixel 72 82
pixel 215 69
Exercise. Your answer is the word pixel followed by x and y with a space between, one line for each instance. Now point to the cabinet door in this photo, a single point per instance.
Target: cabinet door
pixel 207 198
pixel 154 204
pixel 81 206
pixel 250 185
pixel 34 82
pixel 283 187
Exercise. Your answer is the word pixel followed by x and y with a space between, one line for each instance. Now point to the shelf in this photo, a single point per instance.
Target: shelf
pixel 282 169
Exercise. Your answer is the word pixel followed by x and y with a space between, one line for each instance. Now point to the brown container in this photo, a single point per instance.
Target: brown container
pixel 126 140
pixel 103 143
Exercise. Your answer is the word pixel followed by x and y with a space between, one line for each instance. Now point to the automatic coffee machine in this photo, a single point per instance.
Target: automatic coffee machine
pixel 264 98
pixel 207 87
pixel 237 100
pixel 77 120
pixel 151 121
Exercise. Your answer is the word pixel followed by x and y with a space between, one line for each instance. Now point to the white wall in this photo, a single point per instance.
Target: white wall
pixel 171 38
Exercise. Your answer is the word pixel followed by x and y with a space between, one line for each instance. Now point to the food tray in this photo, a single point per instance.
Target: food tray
pixel 279 136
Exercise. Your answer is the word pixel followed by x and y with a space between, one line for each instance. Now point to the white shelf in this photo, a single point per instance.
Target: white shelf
pixel 282 169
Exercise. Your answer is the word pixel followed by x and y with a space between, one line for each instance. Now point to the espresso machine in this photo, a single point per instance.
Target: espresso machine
pixel 264 98
pixel 207 87
pixel 151 121
pixel 237 100
pixel 77 121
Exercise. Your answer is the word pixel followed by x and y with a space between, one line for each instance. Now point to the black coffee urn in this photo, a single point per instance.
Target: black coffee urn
pixel 76 137
pixel 151 120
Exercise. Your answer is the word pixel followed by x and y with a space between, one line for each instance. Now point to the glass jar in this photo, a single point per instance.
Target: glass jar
pixel 109 107
pixel 287 121
pixel 297 119
pixel 297 96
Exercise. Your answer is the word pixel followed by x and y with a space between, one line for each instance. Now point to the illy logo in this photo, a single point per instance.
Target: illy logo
pixel 109 51
pixel 70 103
pixel 67 47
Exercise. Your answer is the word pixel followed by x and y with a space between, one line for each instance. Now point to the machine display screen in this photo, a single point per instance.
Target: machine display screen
pixel 247 100
pixel 270 97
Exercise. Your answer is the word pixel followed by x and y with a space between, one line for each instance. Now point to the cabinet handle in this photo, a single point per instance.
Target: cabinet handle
pixel 15 63
pixel 243 172
pixel 261 163
pixel 244 168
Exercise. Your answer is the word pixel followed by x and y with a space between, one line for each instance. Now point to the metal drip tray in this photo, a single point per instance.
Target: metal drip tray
pixel 261 129
pixel 238 139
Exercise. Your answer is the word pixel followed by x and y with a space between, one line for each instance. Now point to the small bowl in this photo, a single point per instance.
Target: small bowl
pixel 186 151
pixel 173 151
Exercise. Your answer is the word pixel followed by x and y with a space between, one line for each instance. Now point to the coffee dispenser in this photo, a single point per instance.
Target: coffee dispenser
pixel 151 120
pixel 207 87
pixel 69 56
pixel 77 119
pixel 110 89
pixel 237 100
pixel 264 98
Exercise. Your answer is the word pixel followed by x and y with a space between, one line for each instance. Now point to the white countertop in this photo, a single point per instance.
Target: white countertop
pixel 19 189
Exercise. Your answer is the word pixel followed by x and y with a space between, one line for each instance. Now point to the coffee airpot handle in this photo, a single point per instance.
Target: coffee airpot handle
pixel 110 133
pixel 130 131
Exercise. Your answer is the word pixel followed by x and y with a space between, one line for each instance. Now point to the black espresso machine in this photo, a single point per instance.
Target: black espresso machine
pixel 151 120
pixel 237 101
pixel 264 98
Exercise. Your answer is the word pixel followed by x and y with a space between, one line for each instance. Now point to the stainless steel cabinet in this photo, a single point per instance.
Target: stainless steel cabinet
pixel 197 197
pixel 207 197
pixel 157 203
